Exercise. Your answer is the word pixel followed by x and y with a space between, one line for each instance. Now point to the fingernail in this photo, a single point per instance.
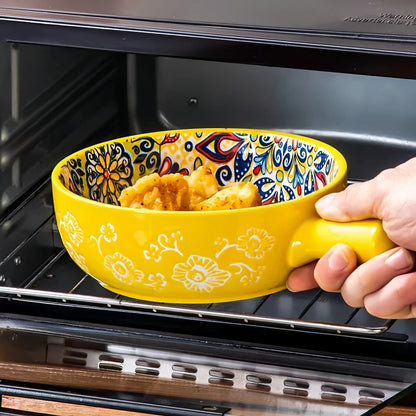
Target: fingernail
pixel 289 288
pixel 400 260
pixel 337 260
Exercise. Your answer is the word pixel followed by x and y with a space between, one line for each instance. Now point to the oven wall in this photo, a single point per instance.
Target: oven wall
pixel 370 119
pixel 53 101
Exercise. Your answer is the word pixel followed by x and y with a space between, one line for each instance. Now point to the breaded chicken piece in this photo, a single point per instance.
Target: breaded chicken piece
pixel 199 191
pixel 233 196
pixel 202 185
pixel 162 193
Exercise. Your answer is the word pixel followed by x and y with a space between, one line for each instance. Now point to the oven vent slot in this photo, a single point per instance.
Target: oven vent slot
pixel 276 380
pixel 74 357
pixel 299 388
pixel 371 397
pixel 110 362
pixel 184 371
pixel 334 392
pixel 222 377
pixel 147 366
pixel 258 382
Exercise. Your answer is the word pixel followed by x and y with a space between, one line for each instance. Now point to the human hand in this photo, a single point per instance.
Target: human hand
pixel 386 284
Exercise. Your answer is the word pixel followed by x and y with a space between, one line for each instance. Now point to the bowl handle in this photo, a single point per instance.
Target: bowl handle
pixel 315 237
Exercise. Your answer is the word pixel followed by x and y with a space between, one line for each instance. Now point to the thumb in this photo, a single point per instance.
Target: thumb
pixel 358 201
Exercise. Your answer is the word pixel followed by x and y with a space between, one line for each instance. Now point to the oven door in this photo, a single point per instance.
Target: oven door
pixel 60 367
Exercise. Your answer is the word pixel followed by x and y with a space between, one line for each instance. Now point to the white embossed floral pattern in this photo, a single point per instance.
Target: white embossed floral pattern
pixel 255 243
pixel 78 258
pixel 122 268
pixel 156 281
pixel 200 274
pixel 74 232
pixel 153 253
pixel 164 244
pixel 107 232
pixel 249 276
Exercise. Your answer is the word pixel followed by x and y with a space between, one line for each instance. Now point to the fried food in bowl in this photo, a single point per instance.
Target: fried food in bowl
pixel 199 191
pixel 173 254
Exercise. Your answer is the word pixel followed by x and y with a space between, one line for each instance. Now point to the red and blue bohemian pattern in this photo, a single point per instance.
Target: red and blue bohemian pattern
pixel 282 167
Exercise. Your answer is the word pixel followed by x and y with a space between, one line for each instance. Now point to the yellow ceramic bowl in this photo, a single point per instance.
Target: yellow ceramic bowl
pixel 203 257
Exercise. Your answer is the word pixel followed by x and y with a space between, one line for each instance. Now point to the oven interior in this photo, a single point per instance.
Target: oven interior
pixel 307 347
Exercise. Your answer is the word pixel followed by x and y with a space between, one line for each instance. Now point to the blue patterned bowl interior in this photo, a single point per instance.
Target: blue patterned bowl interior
pixel 283 167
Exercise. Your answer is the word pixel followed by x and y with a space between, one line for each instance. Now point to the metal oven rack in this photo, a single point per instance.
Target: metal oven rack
pixel 39 268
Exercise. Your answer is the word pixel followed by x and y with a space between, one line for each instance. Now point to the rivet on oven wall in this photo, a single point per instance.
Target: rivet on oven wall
pixel 193 101
pixel 17 260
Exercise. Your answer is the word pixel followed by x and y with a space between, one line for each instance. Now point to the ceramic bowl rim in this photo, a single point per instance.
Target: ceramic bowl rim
pixel 335 153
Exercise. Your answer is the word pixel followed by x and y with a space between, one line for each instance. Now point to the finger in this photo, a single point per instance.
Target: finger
pixel 334 267
pixel 377 272
pixel 395 300
pixel 302 278
pixel 358 201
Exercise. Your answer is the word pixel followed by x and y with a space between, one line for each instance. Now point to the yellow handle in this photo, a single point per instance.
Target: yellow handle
pixel 316 236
